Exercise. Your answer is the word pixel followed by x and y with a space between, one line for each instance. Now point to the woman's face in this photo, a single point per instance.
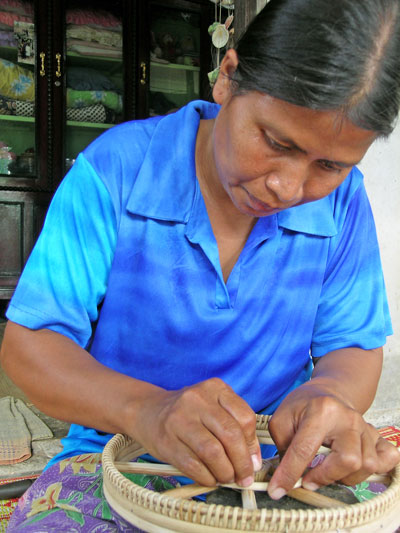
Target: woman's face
pixel 270 155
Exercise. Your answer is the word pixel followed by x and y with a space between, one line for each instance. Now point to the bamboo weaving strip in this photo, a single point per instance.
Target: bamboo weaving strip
pixel 264 437
pixel 150 469
pixel 249 499
pixel 189 491
pixel 314 498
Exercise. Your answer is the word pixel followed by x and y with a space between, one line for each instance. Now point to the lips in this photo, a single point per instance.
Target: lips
pixel 259 205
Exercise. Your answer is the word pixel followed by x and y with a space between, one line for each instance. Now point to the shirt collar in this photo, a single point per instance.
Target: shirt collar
pixel 166 183
pixel 168 193
pixel 314 218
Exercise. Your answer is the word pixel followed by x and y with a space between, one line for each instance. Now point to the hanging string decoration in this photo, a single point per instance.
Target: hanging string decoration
pixel 221 34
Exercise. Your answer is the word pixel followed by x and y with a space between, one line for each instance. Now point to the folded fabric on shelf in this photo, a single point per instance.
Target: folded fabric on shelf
pixel 7 38
pixel 16 82
pixel 93 113
pixel 19 427
pixel 10 106
pixel 109 99
pixel 7 19
pixel 7 106
pixel 24 109
pixel 87 33
pixel 98 18
pixel 88 79
pixel 22 7
pixel 70 43
pixel 88 50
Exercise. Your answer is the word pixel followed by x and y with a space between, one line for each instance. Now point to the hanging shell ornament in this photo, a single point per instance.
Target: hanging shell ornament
pixel 229 4
pixel 212 27
pixel 212 76
pixel 220 36
pixel 228 21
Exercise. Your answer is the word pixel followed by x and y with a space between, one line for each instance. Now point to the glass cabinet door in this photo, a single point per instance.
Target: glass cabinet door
pixel 174 58
pixel 17 90
pixel 94 72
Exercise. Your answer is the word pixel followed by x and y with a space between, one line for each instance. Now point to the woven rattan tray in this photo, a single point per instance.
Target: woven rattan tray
pixel 156 512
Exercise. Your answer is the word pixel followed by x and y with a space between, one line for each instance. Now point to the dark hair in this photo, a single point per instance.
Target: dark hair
pixel 326 55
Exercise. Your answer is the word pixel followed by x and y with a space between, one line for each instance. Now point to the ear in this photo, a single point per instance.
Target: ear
pixel 222 87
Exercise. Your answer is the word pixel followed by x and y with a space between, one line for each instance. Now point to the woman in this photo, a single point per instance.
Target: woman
pixel 190 264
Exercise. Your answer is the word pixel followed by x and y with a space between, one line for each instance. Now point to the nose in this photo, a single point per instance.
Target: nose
pixel 287 184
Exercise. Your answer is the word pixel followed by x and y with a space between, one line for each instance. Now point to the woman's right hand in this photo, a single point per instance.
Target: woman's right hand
pixel 205 430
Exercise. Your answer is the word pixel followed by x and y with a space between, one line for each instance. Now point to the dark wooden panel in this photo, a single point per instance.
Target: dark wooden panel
pixel 21 219
pixel 11 231
pixel 245 11
pixel 39 214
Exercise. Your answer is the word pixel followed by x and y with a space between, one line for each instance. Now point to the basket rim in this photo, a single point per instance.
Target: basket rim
pixel 193 511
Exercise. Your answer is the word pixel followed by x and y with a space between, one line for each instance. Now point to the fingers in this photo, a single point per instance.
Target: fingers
pixel 345 460
pixel 210 453
pixel 235 429
pixel 182 457
pixel 246 418
pixel 344 464
pixel 300 452
pixel 388 456
pixel 357 451
pixel 206 431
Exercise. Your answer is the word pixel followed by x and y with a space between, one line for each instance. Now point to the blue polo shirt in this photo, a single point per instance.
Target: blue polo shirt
pixel 127 266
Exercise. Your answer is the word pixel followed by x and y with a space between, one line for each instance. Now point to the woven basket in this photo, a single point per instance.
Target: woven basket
pixel 155 513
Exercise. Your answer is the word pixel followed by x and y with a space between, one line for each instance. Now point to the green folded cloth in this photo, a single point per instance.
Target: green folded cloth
pixel 19 426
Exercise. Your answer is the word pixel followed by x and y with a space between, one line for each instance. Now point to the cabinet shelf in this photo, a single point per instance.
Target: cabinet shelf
pixel 17 118
pixel 174 66
pixel 99 60
pixel 98 125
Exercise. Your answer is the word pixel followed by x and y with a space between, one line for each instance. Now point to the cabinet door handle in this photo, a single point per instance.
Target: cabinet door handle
pixel 58 71
pixel 143 73
pixel 42 71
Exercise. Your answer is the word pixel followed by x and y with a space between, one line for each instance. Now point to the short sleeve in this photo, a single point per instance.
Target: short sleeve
pixel 66 275
pixel 353 308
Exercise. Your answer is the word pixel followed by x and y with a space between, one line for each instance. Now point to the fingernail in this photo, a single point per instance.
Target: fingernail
pixel 247 481
pixel 257 464
pixel 278 493
pixel 309 485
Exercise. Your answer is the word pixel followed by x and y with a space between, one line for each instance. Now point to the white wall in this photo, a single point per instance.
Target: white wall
pixel 381 167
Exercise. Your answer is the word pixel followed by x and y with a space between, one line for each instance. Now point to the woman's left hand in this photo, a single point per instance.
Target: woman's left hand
pixel 311 416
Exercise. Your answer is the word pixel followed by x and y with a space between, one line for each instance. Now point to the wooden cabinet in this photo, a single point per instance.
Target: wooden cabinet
pixel 21 218
pixel 69 70
pixel 173 54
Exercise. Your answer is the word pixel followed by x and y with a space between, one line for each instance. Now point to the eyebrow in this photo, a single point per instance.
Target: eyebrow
pixel 281 138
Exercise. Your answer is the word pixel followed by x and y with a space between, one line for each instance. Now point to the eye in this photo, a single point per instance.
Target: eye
pixel 329 166
pixel 275 145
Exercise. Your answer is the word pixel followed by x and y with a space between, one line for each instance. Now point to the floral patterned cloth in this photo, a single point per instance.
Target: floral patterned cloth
pixel 69 497
pixel 16 82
